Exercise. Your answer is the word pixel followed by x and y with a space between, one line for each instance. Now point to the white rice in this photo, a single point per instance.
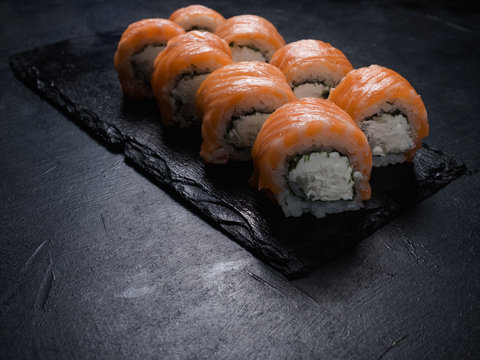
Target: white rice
pixel 260 50
pixel 246 53
pixel 185 90
pixel 142 61
pixel 389 159
pixel 294 206
pixel 199 23
pixel 245 129
pixel 311 89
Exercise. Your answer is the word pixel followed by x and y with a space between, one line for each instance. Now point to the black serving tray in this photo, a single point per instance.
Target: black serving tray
pixel 77 77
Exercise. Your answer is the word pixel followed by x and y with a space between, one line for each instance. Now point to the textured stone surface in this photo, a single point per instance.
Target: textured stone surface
pixel 98 262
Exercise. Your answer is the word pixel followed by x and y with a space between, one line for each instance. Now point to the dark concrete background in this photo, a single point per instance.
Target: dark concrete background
pixel 97 262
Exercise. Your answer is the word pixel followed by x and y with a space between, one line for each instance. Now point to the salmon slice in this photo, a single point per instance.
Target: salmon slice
pixel 179 71
pixel 377 98
pixel 233 102
pixel 137 49
pixel 251 37
pixel 197 17
pixel 312 67
pixel 299 132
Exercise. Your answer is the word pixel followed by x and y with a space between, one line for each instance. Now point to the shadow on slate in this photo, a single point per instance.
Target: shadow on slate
pixel 77 76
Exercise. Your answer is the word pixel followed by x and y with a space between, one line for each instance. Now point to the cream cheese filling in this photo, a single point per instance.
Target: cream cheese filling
pixel 185 94
pixel 388 133
pixel 142 61
pixel 245 129
pixel 324 176
pixel 246 53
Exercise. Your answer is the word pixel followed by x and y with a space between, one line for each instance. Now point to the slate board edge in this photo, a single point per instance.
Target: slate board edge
pixel 109 136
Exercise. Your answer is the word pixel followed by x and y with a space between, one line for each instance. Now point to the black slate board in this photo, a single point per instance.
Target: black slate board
pixel 77 77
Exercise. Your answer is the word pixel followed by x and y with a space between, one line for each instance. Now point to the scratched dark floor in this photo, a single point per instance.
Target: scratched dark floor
pixel 97 262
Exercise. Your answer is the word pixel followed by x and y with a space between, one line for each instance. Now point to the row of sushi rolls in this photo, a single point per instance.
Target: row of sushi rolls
pixel 312 124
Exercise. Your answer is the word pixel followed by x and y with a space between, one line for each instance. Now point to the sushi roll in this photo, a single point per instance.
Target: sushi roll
pixel 312 67
pixel 311 157
pixel 387 109
pixel 137 49
pixel 233 103
pixel 179 71
pixel 251 37
pixel 197 17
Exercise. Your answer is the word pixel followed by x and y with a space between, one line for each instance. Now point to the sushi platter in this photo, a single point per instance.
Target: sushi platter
pixel 122 238
pixel 219 194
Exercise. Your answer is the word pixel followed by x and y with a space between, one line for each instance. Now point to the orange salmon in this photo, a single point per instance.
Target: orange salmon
pixel 197 17
pixel 375 97
pixel 139 45
pixel 298 130
pixel 233 102
pixel 312 67
pixel 179 71
pixel 251 37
